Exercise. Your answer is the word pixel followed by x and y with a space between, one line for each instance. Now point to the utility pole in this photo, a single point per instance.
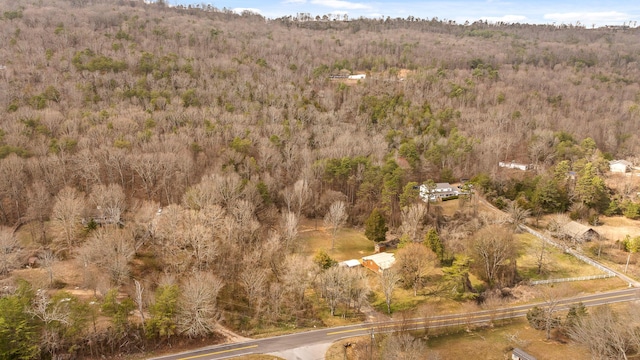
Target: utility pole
pixel 371 345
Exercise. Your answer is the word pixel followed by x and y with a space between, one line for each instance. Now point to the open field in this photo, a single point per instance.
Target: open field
pixel 612 227
pixel 556 263
pixel 497 342
pixel 484 343
pixel 349 243
pixel 617 227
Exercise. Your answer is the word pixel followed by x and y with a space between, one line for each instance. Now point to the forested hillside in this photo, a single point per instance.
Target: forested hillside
pixel 182 146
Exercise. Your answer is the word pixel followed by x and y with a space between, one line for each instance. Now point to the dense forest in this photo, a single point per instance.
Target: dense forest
pixel 162 148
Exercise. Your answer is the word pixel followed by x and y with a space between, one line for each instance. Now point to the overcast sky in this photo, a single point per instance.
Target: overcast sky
pixel 587 12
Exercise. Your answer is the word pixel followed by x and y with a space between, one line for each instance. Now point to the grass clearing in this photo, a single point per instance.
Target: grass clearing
pixel 430 299
pixel 349 243
pixel 617 227
pixel 557 263
pixel 497 342
pixel 489 342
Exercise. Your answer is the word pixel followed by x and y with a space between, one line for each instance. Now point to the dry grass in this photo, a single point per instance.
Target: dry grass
pixel 481 343
pixel 359 346
pixel 612 228
pixel 430 299
pixel 349 243
pixel 497 342
pixel 617 227
pixel 557 264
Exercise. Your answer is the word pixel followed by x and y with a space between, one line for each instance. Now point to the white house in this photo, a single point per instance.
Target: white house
pixel 442 190
pixel 357 77
pixel 620 166
pixel 514 165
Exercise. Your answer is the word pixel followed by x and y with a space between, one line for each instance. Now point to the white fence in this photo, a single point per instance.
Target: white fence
pixel 582 278
pixel 607 272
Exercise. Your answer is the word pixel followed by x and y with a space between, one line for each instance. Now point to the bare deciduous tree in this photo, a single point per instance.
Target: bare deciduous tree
pixel 254 282
pixel 111 250
pixel 607 334
pixel 552 297
pixel 388 282
pixel 48 259
pixel 10 251
pixel 335 219
pixel 109 201
pixel 333 285
pixel 403 346
pixel 66 214
pixel 414 262
pixel 517 215
pixel 492 248
pixel 289 229
pixel 12 186
pixel 198 240
pixel 412 218
pixel 54 315
pixel 297 196
pixel 296 276
pixel 541 255
pixel 340 285
pixel 199 313
pixel 39 209
pixel 137 298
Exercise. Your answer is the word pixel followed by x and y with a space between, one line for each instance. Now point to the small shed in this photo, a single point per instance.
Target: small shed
pixel 579 232
pixel 519 354
pixel 379 262
pixel 386 245
pixel 620 166
pixel 353 263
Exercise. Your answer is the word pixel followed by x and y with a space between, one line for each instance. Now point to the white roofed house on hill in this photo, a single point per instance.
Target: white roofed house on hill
pixel 620 166
pixel 515 165
pixel 440 191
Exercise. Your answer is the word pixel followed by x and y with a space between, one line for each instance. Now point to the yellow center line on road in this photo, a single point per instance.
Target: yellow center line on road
pixel 219 352
pixel 348 331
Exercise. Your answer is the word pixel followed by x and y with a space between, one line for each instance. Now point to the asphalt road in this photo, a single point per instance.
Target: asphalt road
pixel 329 335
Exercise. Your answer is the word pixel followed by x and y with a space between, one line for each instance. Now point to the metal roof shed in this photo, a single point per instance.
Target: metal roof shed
pixel 519 354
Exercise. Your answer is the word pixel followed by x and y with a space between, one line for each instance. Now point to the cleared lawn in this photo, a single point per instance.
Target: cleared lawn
pixel 481 343
pixel 617 227
pixel 431 299
pixel 557 264
pixel 349 243
pixel 497 342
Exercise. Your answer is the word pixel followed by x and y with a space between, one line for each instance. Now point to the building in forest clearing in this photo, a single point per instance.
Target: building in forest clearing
pixel 579 232
pixel 515 165
pixel 441 191
pixel 620 166
pixel 379 262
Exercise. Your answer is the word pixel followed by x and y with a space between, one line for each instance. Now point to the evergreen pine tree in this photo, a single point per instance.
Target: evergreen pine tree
pixel 376 226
